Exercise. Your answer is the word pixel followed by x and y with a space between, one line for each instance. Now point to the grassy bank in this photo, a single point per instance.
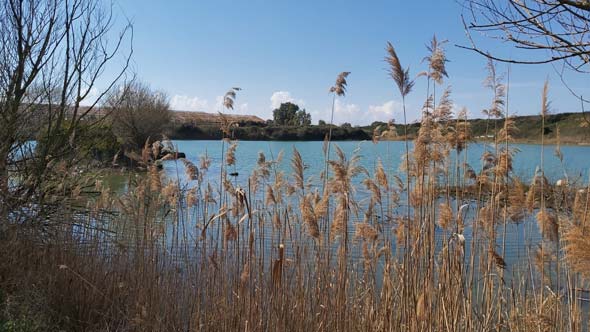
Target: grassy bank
pixel 573 129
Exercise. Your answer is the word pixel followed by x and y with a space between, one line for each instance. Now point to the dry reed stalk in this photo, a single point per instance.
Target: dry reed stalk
pixel 548 224
pixel 402 79
pixel 497 259
pixel 516 202
pixel 339 220
pixel 277 268
pixel 445 215
pixel 577 249
pixel 381 176
pixel 374 189
pixel 436 60
pixel 309 217
pixel 230 97
pixel 230 157
pixel 231 234
pixel 366 232
pixel 338 89
pixel 298 167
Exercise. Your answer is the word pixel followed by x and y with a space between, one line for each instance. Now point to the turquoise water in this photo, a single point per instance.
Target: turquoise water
pixel 521 239
pixel 576 159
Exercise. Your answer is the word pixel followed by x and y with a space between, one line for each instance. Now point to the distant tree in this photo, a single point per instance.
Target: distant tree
pixel 321 123
pixel 289 114
pixel 303 118
pixel 346 125
pixel 139 113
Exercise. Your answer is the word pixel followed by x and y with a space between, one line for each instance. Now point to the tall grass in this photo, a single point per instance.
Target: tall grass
pixel 174 253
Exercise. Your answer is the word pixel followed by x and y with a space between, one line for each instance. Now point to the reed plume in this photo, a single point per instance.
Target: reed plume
pixel 497 259
pixel 577 249
pixel 230 157
pixel 270 195
pixel 191 171
pixel 366 232
pixel 339 87
pixel 404 84
pixel 230 97
pixel 548 224
pixel 506 134
pixel 517 202
pixel 155 179
pixel 226 125
pixel 309 217
pixel 231 234
pixel 381 176
pixel 374 189
pixel 444 110
pixel 462 132
pixel 400 76
pixel 320 205
pixel 340 219
pixel 445 216
pixel 205 162
pixel 344 171
pixel 545 103
pixel 494 82
pixel 297 166
pixel 436 60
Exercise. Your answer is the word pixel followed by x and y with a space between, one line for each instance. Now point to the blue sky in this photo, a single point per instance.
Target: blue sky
pixel 293 50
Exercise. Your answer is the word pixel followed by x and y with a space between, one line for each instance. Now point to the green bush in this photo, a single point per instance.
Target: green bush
pixel 91 142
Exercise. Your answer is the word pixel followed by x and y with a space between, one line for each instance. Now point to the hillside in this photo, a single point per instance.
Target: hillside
pixel 185 117
pixel 199 125
pixel 573 128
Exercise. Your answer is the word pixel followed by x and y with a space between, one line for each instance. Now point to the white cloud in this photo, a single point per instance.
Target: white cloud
pixel 352 113
pixel 280 97
pixel 218 105
pixel 344 112
pixel 242 108
pixel 90 99
pixel 385 111
pixel 186 103
pixel 193 104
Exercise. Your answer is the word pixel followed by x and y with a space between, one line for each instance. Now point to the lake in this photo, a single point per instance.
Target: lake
pixel 521 238
pixel 576 159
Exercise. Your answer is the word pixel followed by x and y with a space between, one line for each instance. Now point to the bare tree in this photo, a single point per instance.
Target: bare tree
pixel 557 30
pixel 53 54
pixel 139 113
pixel 551 31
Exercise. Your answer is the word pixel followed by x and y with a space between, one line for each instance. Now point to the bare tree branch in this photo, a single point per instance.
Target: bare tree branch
pixel 551 31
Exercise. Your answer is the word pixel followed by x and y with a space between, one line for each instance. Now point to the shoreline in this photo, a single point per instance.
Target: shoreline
pixel 516 141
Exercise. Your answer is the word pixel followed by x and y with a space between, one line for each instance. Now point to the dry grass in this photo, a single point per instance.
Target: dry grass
pixel 278 254
pixel 184 117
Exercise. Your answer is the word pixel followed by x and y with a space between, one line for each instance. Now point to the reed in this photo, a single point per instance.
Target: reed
pixel 416 249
